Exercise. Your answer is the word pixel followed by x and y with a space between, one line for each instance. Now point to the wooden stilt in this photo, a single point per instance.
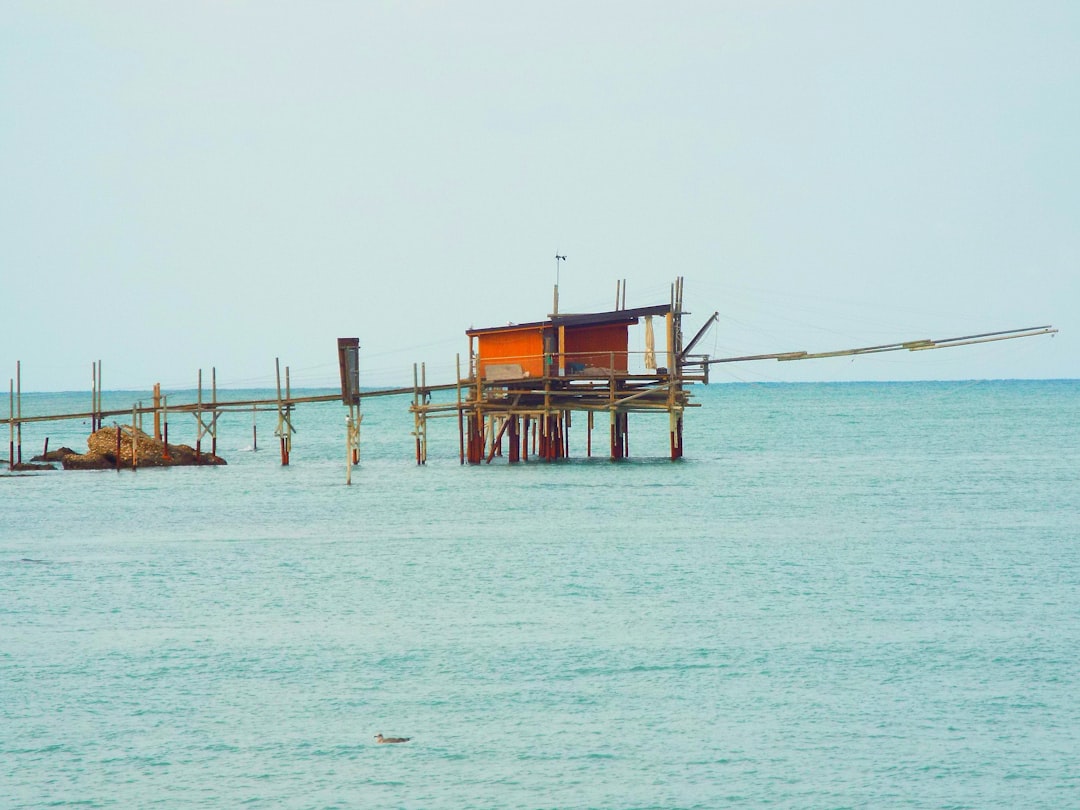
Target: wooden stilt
pixel 165 428
pixel 416 412
pixel 512 440
pixel 93 397
pixel 11 424
pixel 425 398
pixel 460 416
pixel 95 420
pixel 588 436
pixel 284 426
pixel 199 421
pixel 18 408
pixel 352 440
pixel 213 405
pixel 496 442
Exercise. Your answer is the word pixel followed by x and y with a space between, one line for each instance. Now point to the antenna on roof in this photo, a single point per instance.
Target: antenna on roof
pixel 558 263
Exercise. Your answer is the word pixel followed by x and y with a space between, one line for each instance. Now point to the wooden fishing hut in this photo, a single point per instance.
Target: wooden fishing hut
pixel 526 380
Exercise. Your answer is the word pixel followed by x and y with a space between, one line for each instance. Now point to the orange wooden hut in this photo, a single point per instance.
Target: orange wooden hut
pixel 583 345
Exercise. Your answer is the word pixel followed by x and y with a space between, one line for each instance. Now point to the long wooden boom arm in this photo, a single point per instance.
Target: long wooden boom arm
pixel 910 345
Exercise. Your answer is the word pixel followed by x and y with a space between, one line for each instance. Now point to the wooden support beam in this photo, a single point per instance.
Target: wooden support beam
pixel 498 439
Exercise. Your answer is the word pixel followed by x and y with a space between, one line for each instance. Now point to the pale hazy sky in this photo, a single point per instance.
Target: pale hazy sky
pixel 199 184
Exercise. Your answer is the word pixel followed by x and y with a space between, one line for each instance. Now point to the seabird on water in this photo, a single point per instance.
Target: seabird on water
pixel 379 738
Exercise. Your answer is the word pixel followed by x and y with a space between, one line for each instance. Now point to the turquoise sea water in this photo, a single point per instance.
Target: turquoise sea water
pixel 846 595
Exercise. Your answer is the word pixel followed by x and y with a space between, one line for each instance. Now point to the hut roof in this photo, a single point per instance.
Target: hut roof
pixel 627 316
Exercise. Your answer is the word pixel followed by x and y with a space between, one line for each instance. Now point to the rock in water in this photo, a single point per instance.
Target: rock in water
pixel 151 452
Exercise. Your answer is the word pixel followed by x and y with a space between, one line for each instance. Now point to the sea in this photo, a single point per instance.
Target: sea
pixel 845 595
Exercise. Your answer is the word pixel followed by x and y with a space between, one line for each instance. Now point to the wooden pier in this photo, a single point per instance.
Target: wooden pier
pixel 523 386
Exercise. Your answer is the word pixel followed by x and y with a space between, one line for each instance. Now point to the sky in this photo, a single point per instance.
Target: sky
pixel 202 185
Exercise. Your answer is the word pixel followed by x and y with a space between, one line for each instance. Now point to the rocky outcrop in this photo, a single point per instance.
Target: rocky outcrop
pixel 30 467
pixel 55 455
pixel 151 452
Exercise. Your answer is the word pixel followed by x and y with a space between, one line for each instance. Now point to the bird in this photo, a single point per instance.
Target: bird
pixel 379 738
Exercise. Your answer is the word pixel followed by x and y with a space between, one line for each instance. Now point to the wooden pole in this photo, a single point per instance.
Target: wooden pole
pixel 11 424
pixel 348 448
pixel 18 405
pixel 566 434
pixel 512 439
pixel 588 440
pixel 134 438
pixel 281 426
pixel 165 431
pixel 423 424
pixel 254 429
pixel 213 403
pixel 157 414
pixel 416 412
pixel 117 426
pixel 460 415
pixel 198 420
pixel 288 413
pixel 497 441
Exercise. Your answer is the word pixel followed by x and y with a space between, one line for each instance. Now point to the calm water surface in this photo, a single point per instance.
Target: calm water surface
pixel 849 595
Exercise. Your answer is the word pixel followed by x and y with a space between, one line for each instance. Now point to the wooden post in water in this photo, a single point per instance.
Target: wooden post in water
pixel 421 437
pixel 460 416
pixel 117 426
pixel 566 434
pixel 18 406
pixel 283 420
pixel 254 429
pixel 416 412
pixel 288 412
pixel 616 447
pixel 588 435
pixel 134 438
pixel 11 424
pixel 165 431
pixel 95 418
pixel 512 439
pixel 157 413
pixel 348 448
pixel 93 396
pixel 281 413
pixel 213 405
pixel 199 423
